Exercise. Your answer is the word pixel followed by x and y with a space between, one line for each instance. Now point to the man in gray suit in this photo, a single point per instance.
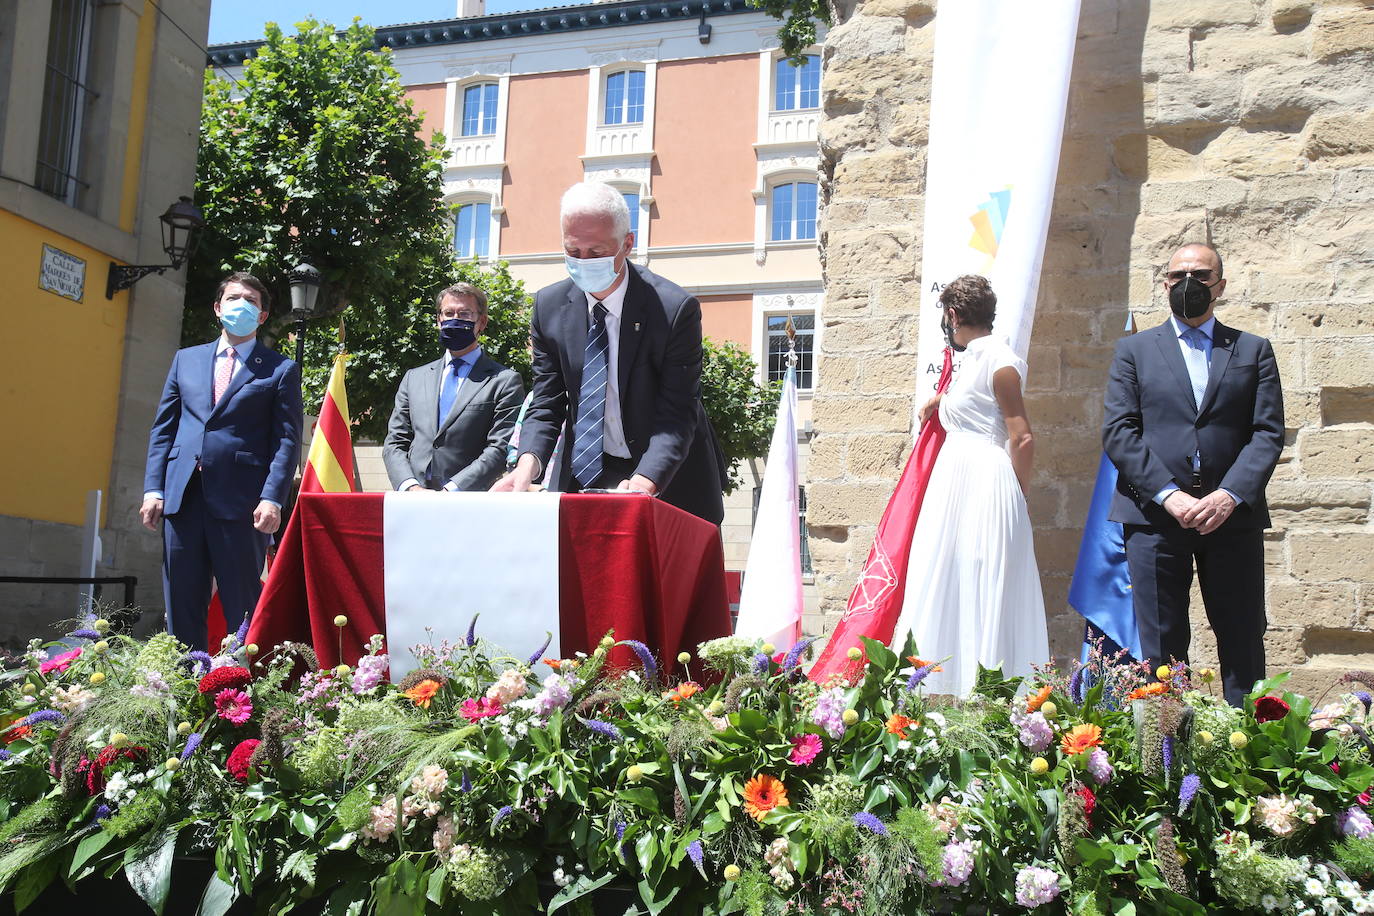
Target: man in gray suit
pixel 453 417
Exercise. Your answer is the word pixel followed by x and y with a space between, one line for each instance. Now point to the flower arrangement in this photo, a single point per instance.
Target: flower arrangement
pixel 482 784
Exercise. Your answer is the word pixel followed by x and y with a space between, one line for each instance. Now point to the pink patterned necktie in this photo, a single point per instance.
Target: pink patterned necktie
pixel 223 373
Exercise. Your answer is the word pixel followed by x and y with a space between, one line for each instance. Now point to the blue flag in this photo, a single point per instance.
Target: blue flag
pixel 1101 586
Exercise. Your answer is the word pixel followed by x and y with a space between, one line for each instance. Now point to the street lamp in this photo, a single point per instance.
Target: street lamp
pixel 305 290
pixel 181 226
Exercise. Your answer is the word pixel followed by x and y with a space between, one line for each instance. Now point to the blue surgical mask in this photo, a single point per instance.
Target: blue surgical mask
pixel 239 316
pixel 457 333
pixel 592 275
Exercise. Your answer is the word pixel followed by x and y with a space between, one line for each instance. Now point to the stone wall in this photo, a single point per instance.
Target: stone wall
pixel 1246 123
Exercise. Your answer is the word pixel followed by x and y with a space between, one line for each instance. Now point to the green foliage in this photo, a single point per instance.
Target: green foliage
pixel 799 18
pixel 1356 857
pixel 741 410
pixel 316 155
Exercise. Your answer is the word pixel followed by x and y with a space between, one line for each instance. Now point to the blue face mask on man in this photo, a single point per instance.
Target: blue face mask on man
pixel 239 316
pixel 592 275
pixel 457 333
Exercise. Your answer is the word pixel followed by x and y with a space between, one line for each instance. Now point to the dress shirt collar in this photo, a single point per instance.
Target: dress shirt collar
pixel 615 302
pixel 1208 327
pixel 241 351
pixel 469 358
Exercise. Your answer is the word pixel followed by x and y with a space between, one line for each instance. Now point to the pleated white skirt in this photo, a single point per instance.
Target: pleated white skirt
pixel 973 589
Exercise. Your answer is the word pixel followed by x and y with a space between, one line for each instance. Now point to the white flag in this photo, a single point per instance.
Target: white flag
pixel 1000 84
pixel 770 605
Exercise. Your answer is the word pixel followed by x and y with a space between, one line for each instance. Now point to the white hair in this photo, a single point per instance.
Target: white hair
pixel 595 198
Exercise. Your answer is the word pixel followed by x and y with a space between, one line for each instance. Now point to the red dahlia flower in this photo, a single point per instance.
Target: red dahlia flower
pixel 219 679
pixel 1270 709
pixel 237 763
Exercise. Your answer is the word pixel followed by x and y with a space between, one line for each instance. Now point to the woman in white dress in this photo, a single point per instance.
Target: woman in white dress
pixel 973 589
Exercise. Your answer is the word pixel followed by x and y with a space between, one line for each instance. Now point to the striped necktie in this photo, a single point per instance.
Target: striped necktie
pixel 589 430
pixel 1196 355
pixel 223 373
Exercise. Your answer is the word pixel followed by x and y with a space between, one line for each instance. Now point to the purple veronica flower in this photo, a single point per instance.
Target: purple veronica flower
pixel 471 638
pixel 920 674
pixel 1186 790
pixel 4 755
pixel 199 662
pixel 539 653
pixel 604 729
pixel 466 785
pixel 794 654
pixel 192 744
pixel 242 632
pixel 501 815
pixel 84 633
pixel 695 853
pixel 646 658
pixel 1076 686
pixel 761 661
pixel 1167 751
pixel 101 812
pixel 1364 697
pixel 870 823
pixel 45 716
pixel 619 830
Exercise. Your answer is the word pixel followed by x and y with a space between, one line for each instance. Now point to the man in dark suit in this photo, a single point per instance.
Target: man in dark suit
pixel 1194 425
pixel 221 456
pixel 617 368
pixel 454 416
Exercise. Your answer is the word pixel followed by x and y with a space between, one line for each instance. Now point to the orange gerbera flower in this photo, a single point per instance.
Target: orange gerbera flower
pixel 921 663
pixel 897 724
pixel 682 692
pixel 1035 702
pixel 1081 738
pixel 762 794
pixel 422 694
pixel 554 663
pixel 1149 690
pixel 17 733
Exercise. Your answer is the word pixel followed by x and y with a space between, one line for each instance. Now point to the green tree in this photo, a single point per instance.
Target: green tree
pixel 316 155
pixel 741 410
pixel 799 18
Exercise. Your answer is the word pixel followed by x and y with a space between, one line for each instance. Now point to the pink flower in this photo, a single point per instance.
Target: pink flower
pixel 233 705
pixel 1364 797
pixel 59 663
pixel 484 708
pixel 805 748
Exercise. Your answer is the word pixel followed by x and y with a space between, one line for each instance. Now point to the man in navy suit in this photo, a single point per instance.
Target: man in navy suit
pixel 221 456
pixel 617 369
pixel 1194 425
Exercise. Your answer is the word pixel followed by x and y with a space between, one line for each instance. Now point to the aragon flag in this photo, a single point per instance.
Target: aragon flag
pixel 329 467
pixel 876 601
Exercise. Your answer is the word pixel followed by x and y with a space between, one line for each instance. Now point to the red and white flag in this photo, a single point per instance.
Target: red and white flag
pixel 876 602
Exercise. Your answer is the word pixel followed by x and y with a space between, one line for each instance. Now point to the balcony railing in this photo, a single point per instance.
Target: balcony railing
pixel 792 126
pixel 620 139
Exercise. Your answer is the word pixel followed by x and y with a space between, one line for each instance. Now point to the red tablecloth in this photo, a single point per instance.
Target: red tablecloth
pixel 639 566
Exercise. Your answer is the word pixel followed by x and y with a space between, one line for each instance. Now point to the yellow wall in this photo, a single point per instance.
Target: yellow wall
pixel 60 368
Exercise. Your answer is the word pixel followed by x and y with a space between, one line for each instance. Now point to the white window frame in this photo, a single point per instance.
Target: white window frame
pixel 808 301
pixel 791 129
pixel 779 170
pixel 608 141
pixel 773 89
pixel 483 151
pixel 477 195
pixel 606 74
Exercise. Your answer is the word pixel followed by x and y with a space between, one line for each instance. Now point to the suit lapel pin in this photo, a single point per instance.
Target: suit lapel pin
pixel 636 327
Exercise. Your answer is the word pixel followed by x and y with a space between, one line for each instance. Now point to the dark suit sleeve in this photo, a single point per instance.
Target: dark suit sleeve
pixel 675 408
pixel 286 423
pixel 400 433
pixel 1252 468
pixel 1123 429
pixel 549 405
pixel 509 396
pixel 163 432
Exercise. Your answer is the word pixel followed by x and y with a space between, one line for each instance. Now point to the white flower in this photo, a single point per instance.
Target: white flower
pixel 1313 887
pixel 1269 902
pixel 1331 906
pixel 936 719
pixel 561 878
pixel 903 745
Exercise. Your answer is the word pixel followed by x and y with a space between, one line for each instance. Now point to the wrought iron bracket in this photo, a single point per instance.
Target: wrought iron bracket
pixel 122 276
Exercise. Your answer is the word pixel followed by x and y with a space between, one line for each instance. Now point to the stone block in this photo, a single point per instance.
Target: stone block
pixel 1333 557
pixel 838 374
pixel 1346 405
pixel 909 124
pixel 1190 100
pixel 1171 196
pixel 1355 186
pixel 845 503
pixel 1189 14
pixel 1283 288
pixel 1043 369
pixel 1056 549
pixel 1084 160
pixel 1063 410
pixel 911 10
pixel 877 455
pixel 1341 453
pixel 849 131
pixel 1355 279
pixel 885 172
pixel 891 414
pixel 1240 49
pixel 897 296
pixel 1244 153
pixel 888 373
pixel 1307 189
pixel 864 335
pixel 1301 406
pixel 1345 137
pixel 1342 30
pixel 1290 15
pixel 1330 234
pixel 1341 363
pixel 1044 502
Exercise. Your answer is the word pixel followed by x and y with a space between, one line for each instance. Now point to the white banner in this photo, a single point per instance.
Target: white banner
pixel 999 89
pixel 448 556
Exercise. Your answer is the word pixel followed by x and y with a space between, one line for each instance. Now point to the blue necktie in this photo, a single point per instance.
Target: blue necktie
pixel 449 393
pixel 1196 356
pixel 589 430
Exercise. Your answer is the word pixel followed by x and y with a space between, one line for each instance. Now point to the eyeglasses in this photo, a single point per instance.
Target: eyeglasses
pixel 1203 275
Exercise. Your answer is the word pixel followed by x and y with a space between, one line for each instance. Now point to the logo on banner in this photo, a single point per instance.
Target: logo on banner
pixel 988 222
